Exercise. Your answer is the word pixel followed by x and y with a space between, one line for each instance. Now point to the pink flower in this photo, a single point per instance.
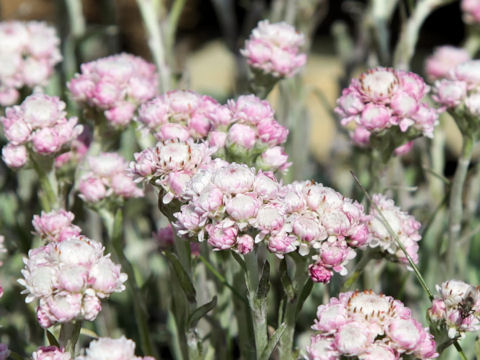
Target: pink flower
pixel 111 349
pixel 222 235
pixel 68 277
pixel 14 156
pixel 250 109
pixel 51 353
pixel 456 308
pixel 30 51
pixel 55 225
pixel 471 11
pixel 242 207
pixel 245 244
pixel 116 85
pixel 444 59
pixel 320 273
pixel 383 98
pixel 274 158
pixel 108 175
pixel 403 224
pixel 321 348
pixel 370 327
pixel 92 189
pixel 241 135
pixel 274 49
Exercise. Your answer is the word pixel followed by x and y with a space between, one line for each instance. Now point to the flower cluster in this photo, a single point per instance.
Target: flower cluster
pixel 55 226
pixel 100 349
pixel 245 129
pixel 231 203
pixel 471 11
pixel 29 52
pixel 460 92
pixel 181 114
pixel 274 49
pixel 444 59
pixel 69 275
pixel 387 104
pixel 107 177
pixel 402 224
pixel 112 349
pixel 170 165
pixel 317 220
pixel 115 85
pixel 456 308
pixel 51 353
pixel 39 125
pixel 370 327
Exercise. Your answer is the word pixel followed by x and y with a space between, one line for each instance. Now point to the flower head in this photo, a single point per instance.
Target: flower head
pixel 111 349
pixel 51 353
pixel 274 49
pixel 107 177
pixel 70 274
pixel 402 224
pixel 456 308
pixel 115 85
pixel 40 125
pixel 368 326
pixel 387 104
pixel 444 59
pixel 29 52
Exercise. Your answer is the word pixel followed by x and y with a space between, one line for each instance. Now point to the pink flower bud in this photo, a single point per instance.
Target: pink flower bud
pixel 14 156
pixel 319 273
pixel 222 235
pixel 241 135
pixel 242 207
pixel 51 353
pixel 245 244
pixel 444 59
pixel 92 189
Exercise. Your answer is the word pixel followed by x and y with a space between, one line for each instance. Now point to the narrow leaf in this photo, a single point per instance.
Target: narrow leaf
pixel 239 260
pixel 182 276
pixel 264 284
pixel 286 281
pixel 201 312
pixel 267 352
pixel 307 289
pixel 52 340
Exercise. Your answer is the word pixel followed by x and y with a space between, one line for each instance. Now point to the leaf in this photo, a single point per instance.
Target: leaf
pixel 89 333
pixel 267 352
pixel 182 276
pixel 201 312
pixel 264 284
pixel 307 289
pixel 239 260
pixel 52 340
pixel 286 281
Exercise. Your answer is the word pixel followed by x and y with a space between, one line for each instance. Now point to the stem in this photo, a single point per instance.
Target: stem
pixel 221 278
pixel 257 306
pixel 285 345
pixel 149 10
pixel 409 35
pixel 456 203
pixel 114 230
pixel 48 182
pixel 69 333
pixel 459 350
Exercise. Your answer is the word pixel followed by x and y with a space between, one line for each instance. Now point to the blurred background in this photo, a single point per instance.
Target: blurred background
pixel 209 37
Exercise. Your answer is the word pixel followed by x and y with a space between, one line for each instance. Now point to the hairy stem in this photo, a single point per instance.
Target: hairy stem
pixel 69 333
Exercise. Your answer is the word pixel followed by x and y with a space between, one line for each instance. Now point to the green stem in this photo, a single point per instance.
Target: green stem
pixel 113 225
pixel 221 278
pixel 257 306
pixel 456 203
pixel 459 350
pixel 48 182
pixel 69 333
pixel 285 345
